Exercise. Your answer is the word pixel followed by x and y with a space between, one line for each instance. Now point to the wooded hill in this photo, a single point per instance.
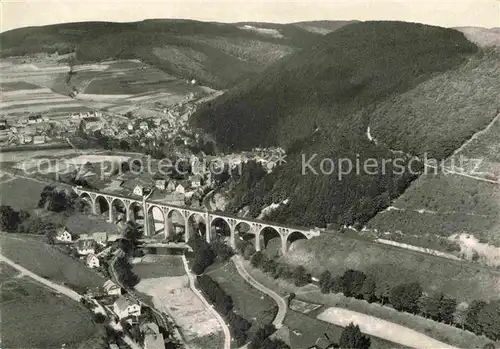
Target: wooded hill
pixel 321 101
pixel 216 54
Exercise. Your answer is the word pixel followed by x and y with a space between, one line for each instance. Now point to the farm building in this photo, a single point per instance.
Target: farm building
pixel 125 307
pixel 64 235
pixel 92 261
pixel 112 289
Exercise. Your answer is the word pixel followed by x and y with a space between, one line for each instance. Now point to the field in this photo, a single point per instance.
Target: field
pixel 48 262
pixel 44 85
pixel 392 265
pixel 173 296
pixel 7 272
pixel 21 194
pixel 34 317
pixel 155 266
pixel 249 302
pixel 442 332
pixel 29 88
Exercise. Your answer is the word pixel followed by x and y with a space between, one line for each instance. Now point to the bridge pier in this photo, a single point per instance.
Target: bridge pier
pixel 166 228
pixel 257 241
pixel 284 247
pixel 130 216
pixel 110 214
pixel 186 229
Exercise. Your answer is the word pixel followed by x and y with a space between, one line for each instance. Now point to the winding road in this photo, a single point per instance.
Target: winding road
pixel 282 304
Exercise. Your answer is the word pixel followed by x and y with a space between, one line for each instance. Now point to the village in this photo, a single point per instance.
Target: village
pixel 112 303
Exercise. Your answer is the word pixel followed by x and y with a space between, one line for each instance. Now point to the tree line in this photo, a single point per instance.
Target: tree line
pixel 480 317
pixel 23 222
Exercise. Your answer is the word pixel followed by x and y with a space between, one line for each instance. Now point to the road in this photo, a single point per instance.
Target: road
pixel 282 304
pixel 210 308
pixel 54 286
pixel 60 289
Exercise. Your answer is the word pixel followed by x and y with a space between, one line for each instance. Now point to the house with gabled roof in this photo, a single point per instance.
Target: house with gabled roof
pixel 112 289
pixel 92 261
pixel 64 235
pixel 125 307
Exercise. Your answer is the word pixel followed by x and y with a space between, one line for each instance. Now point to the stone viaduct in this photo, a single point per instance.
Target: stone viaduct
pixel 255 227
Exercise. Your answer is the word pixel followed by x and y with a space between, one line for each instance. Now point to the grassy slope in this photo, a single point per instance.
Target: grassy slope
pixel 394 266
pixel 37 318
pixel 175 46
pixel 460 204
pixel 47 261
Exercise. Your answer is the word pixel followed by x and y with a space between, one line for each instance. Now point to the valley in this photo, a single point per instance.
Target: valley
pixel 251 185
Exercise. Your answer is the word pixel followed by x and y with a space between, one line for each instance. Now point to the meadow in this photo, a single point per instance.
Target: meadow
pixel 253 305
pixel 47 261
pixel 155 266
pixel 38 318
pixel 393 266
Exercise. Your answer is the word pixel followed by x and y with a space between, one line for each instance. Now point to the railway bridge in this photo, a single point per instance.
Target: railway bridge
pixel 237 226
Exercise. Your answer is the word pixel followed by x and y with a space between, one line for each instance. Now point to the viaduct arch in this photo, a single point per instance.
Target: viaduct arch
pixel 254 227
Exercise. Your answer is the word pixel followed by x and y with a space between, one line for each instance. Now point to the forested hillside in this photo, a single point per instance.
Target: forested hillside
pixel 334 87
pixel 216 54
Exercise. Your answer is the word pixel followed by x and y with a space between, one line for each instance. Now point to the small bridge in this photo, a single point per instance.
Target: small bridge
pixel 258 229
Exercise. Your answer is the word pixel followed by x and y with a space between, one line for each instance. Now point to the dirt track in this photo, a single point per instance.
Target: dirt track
pixel 381 328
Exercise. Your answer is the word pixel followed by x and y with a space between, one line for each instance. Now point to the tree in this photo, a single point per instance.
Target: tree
pixel 352 283
pixel 204 256
pixel 9 218
pixel 336 284
pixel 353 338
pixel 368 289
pixel 472 319
pixel 325 281
pixel 124 272
pixel 489 317
pixel 301 277
pixel 405 297
pixel 132 232
pixel 258 259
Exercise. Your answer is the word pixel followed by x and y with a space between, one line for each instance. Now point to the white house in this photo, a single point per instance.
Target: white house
pixel 195 181
pixel 171 186
pixel 161 184
pixel 144 126
pixel 100 237
pixel 85 247
pixel 154 341
pixel 130 127
pixel 181 189
pixel 38 139
pixel 64 235
pixel 125 307
pixel 112 289
pixel 138 190
pixel 92 261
